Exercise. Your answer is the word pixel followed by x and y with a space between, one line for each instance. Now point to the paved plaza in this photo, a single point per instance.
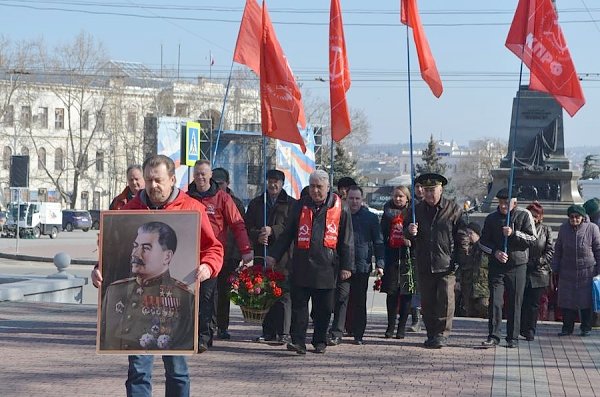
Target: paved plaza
pixel 49 350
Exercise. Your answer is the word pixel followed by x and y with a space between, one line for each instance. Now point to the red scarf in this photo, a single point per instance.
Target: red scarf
pixel 396 233
pixel 332 223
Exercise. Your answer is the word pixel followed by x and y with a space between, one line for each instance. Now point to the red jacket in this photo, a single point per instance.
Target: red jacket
pixel 223 215
pixel 211 249
pixel 121 200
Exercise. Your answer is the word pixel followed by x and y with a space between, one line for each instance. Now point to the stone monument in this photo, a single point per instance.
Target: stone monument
pixel 542 172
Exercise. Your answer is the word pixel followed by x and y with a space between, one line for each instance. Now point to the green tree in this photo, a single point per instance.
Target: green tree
pixel 343 164
pixel 591 167
pixel 432 162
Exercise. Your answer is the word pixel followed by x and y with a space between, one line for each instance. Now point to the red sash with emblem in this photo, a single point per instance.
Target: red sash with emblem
pixel 332 223
pixel 396 233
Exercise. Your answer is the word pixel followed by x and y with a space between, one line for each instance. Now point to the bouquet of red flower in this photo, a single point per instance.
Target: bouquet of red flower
pixel 377 283
pixel 256 288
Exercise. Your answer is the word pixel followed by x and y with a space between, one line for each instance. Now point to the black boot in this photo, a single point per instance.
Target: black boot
pixel 402 324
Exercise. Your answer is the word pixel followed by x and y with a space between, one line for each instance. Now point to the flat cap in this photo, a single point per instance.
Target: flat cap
pixel 220 175
pixel 502 193
pixel 431 179
pixel 276 174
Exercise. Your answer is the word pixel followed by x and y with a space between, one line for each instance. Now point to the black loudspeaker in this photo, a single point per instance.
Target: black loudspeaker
pixel 19 171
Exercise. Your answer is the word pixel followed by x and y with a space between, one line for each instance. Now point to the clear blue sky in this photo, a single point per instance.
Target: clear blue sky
pixel 466 36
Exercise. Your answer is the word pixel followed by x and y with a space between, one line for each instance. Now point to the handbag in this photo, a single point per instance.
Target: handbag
pixel 596 294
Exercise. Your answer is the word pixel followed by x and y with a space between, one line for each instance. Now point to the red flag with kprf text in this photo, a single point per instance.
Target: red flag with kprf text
pixel 537 39
pixel 280 96
pixel 409 15
pixel 339 74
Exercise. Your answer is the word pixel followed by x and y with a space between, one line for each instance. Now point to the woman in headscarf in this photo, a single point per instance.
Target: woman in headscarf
pixel 576 261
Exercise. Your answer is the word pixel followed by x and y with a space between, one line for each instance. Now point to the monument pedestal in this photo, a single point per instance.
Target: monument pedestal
pixel 548 186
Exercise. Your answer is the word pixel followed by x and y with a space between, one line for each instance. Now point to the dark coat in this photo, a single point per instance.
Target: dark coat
pixel 576 261
pixel 396 273
pixel 435 240
pixel 367 240
pixel 540 257
pixel 277 216
pixel 523 236
pixel 472 271
pixel 319 266
pixel 232 253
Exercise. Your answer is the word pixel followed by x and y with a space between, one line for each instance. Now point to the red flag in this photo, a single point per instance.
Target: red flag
pixel 409 15
pixel 339 74
pixel 279 94
pixel 247 47
pixel 537 39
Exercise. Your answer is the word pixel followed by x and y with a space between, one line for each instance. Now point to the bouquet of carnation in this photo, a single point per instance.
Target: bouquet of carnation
pixel 256 288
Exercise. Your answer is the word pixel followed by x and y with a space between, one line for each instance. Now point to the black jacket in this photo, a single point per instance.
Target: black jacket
pixel 519 242
pixel 277 215
pixel 436 236
pixel 540 257
pixel 319 266
pixel 367 240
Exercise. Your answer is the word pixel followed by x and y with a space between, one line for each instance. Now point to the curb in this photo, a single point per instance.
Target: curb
pixel 31 258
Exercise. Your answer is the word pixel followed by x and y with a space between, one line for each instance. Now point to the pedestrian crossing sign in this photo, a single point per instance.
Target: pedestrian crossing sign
pixel 192 143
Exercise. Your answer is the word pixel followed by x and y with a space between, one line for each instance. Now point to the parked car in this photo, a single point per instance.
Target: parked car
pixel 76 219
pixel 2 222
pixel 95 219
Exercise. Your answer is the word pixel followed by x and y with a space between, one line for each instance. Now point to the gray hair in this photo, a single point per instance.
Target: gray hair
pixel 319 175
pixel 134 167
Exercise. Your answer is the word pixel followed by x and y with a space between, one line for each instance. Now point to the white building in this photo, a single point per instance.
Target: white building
pixel 82 130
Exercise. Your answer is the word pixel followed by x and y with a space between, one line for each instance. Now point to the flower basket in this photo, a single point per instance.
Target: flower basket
pixel 255 290
pixel 253 316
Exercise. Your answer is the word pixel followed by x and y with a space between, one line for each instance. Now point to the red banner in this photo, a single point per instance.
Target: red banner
pixel 409 15
pixel 247 47
pixel 537 39
pixel 339 74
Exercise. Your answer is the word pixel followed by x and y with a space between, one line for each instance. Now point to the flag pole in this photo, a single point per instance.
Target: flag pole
pixel 331 163
pixel 412 163
pixel 222 114
pixel 265 198
pixel 512 155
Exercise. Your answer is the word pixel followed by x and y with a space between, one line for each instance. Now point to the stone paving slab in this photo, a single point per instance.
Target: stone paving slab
pixel 49 350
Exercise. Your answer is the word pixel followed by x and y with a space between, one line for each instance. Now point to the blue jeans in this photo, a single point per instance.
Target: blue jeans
pixel 139 376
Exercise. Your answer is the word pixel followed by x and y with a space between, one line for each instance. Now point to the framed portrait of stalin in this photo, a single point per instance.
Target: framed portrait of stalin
pixel 148 303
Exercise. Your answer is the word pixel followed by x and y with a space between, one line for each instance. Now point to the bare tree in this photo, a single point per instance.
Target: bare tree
pixel 474 173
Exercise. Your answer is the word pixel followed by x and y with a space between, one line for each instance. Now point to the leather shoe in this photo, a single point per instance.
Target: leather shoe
pixel 334 341
pixel 283 339
pixel 512 343
pixel 490 342
pixel 202 347
pixel 429 342
pixel 359 342
pixel 565 333
pixel 293 347
pixel 585 333
pixel 320 348
pixel 438 342
pixel 223 334
pixel 263 339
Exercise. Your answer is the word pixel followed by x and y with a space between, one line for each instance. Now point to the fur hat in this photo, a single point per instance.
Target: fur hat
pixel 576 209
pixel 592 207
pixel 474 227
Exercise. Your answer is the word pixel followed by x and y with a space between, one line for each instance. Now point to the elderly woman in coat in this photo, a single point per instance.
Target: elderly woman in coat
pixel 576 261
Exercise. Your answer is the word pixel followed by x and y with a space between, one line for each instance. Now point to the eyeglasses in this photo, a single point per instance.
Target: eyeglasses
pixel 575 216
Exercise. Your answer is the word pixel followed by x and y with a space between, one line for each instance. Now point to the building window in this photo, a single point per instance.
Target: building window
pixel 85 120
pixel 131 121
pixel 58 160
pixel 181 110
pixel 26 116
pixel 100 121
pixel 59 118
pixel 43 117
pixel 100 161
pixel 9 115
pixel 24 151
pixel 41 158
pixel 96 201
pixel 6 154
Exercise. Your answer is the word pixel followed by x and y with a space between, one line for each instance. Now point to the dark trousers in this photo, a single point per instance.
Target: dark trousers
pixel 359 284
pixel 222 301
pixel 513 279
pixel 207 296
pixel 342 294
pixel 322 306
pixel 530 309
pixel 569 316
pixel 397 305
pixel 437 302
pixel 278 320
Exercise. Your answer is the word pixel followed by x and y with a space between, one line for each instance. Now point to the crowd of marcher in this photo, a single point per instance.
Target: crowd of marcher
pixel 432 264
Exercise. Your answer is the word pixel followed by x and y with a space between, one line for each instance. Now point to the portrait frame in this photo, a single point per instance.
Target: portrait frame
pixel 148 315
